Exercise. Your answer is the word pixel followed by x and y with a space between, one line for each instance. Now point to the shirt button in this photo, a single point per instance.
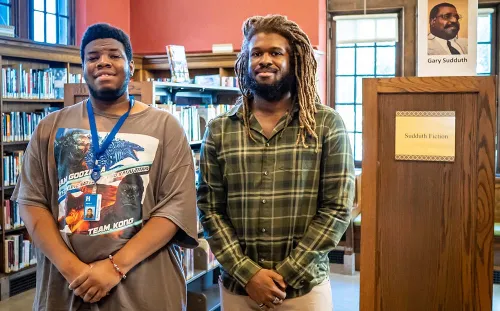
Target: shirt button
pixel 264 201
pixel 267 144
pixel 263 230
pixel 265 173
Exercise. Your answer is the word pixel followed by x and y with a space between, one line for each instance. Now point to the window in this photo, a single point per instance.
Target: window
pixel 50 21
pixel 484 44
pixel 365 48
pixel 5 7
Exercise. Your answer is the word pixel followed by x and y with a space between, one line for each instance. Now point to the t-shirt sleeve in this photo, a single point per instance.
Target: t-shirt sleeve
pixel 32 183
pixel 177 193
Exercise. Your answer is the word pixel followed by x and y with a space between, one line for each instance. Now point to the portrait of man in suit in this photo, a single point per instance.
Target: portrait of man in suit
pixel 444 26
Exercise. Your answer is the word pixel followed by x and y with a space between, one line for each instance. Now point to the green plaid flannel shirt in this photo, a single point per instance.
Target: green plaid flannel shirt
pixel 271 203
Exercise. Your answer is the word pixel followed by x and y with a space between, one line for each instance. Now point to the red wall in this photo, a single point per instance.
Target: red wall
pixel 200 23
pixel 114 12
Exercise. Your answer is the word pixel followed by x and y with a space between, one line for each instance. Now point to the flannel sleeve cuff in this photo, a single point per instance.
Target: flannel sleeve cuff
pixel 294 275
pixel 245 270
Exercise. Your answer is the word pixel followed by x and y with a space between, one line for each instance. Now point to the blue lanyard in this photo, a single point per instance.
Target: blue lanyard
pixel 97 151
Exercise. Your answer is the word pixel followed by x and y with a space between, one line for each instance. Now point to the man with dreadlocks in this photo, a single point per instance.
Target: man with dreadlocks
pixel 276 177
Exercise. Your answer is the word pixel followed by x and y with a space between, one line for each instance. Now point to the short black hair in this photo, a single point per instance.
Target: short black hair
pixel 435 10
pixel 105 31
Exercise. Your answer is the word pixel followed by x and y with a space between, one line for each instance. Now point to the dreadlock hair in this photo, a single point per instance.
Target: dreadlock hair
pixel 304 64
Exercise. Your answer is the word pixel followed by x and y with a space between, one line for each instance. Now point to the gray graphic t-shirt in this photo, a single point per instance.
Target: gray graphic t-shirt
pixel 147 171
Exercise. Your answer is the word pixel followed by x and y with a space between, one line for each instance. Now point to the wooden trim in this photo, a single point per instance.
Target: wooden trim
pixel 23 48
pixel 400 45
pixel 369 195
pixel 485 166
pixel 429 84
pixel 195 61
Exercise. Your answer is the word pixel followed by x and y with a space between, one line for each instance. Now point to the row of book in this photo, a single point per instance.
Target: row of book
pixel 19 253
pixel 19 126
pixel 194 118
pixel 29 83
pixel 12 167
pixel 11 215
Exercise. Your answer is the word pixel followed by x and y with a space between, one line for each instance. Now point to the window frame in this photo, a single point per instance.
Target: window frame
pixel 332 55
pixel 70 17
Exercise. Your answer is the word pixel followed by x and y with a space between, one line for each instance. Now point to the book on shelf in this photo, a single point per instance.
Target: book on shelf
pixel 19 253
pixel 187 256
pixel 29 83
pixel 11 167
pixel 178 63
pixel 193 117
pixel 19 126
pixel 11 215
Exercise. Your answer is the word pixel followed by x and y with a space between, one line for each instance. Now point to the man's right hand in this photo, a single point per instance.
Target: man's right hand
pixel 262 288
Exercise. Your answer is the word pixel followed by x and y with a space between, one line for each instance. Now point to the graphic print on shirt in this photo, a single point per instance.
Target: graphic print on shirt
pixel 124 178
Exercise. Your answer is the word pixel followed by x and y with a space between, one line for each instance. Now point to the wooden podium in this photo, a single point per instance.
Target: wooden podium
pixel 427 231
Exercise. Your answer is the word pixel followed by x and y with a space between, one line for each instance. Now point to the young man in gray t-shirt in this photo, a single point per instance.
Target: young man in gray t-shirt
pixel 106 191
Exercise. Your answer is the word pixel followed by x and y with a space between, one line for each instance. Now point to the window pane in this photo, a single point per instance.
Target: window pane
pixel 62 7
pixel 63 30
pixel 359 89
pixel 344 89
pixel 392 43
pixel 368 29
pixel 359 118
pixel 345 61
pixel 39 34
pixel 4 15
pixel 386 29
pixel 347 114
pixel 345 45
pixel 365 61
pixel 51 28
pixel 386 61
pixel 483 58
pixel 366 44
pixel 484 28
pixel 358 154
pixel 51 6
pixel 39 5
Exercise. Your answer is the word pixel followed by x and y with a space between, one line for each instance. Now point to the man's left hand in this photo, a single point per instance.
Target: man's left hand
pixel 96 283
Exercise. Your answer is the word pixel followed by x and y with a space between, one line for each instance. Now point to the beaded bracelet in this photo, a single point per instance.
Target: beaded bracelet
pixel 122 276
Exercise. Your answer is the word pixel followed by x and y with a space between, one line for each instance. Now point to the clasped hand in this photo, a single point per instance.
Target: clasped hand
pixel 95 282
pixel 263 288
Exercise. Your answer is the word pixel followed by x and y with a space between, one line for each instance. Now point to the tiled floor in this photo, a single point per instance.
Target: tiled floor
pixel 345 292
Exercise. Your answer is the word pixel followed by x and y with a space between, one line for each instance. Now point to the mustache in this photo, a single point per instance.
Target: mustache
pixel 456 25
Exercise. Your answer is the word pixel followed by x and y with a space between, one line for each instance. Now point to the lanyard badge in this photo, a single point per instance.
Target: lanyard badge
pixel 93 201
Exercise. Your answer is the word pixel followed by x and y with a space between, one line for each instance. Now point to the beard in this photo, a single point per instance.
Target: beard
pixel 272 92
pixel 447 33
pixel 110 95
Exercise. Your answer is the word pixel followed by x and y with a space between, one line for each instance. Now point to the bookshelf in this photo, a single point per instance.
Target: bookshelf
pixel 31 79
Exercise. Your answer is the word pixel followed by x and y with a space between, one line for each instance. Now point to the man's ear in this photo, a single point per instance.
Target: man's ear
pixel 131 65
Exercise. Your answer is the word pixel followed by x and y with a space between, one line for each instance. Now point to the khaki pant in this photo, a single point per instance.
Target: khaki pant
pixel 318 299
